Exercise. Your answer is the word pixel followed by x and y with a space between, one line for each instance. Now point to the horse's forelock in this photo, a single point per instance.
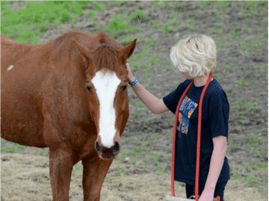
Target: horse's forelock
pixel 105 56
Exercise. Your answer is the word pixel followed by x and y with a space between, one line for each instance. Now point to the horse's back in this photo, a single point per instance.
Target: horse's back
pixel 21 102
pixel 12 52
pixel 5 38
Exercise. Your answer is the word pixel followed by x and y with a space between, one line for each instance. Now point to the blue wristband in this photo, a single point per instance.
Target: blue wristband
pixel 134 82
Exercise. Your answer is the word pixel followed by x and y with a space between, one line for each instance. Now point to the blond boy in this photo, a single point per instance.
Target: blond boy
pixel 195 57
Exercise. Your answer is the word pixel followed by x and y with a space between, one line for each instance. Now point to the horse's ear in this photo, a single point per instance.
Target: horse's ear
pixel 128 50
pixel 84 51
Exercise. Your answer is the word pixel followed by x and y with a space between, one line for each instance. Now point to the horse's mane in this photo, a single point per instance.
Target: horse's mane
pixel 105 49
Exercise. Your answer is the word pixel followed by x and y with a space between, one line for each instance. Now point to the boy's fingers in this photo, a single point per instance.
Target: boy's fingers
pixel 127 65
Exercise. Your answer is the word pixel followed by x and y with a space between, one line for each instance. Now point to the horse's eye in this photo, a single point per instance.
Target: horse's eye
pixel 89 89
pixel 123 88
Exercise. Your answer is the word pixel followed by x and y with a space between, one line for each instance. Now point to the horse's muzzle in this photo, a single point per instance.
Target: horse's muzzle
pixel 107 153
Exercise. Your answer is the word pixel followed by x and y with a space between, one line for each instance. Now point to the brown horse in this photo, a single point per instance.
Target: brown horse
pixel 69 95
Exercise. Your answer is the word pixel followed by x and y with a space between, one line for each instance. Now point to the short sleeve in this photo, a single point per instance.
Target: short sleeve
pixel 171 100
pixel 219 116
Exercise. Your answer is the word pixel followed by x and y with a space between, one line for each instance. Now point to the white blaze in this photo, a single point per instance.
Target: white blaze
pixel 106 86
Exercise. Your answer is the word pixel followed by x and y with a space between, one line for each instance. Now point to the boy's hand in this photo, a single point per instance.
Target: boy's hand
pixel 130 76
pixel 207 196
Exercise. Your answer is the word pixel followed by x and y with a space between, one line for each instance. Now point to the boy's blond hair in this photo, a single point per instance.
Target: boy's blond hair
pixel 195 54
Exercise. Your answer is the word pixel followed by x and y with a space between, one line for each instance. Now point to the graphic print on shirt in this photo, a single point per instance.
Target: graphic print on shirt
pixel 186 109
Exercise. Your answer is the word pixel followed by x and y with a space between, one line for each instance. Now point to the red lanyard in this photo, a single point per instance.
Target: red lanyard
pixel 198 137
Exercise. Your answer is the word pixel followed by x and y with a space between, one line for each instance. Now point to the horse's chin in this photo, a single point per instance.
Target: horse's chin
pixel 103 157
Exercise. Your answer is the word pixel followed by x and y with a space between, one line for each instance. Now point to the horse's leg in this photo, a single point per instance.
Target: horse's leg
pixel 61 165
pixel 94 173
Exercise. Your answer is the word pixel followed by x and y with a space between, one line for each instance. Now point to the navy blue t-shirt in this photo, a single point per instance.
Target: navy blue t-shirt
pixel 215 115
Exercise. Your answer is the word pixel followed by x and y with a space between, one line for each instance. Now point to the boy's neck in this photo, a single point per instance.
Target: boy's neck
pixel 200 81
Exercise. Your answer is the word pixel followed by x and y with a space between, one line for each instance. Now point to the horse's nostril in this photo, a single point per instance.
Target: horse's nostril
pixel 116 148
pixel 97 147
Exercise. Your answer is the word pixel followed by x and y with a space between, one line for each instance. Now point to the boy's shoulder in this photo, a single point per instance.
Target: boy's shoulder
pixel 215 87
pixel 216 93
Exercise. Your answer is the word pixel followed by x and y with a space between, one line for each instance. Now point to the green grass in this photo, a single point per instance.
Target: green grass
pixel 99 6
pixel 12 148
pixel 124 153
pixel 249 180
pixel 119 2
pixel 169 135
pixel 152 24
pixel 135 60
pixel 233 148
pixel 259 165
pixel 117 26
pixel 173 24
pixel 139 104
pixel 156 136
pixel 127 40
pixel 253 141
pixel 91 13
pixel 141 148
pixel 252 105
pixel 252 44
pixel 263 68
pixel 161 172
pixel 148 41
pixel 152 61
pixel 257 145
pixel 3 141
pixel 244 108
pixel 26 25
pixel 251 7
pixel 239 101
pixel 126 140
pixel 77 167
pixel 153 157
pixel 138 14
pixel 59 12
pixel 241 83
pixel 226 66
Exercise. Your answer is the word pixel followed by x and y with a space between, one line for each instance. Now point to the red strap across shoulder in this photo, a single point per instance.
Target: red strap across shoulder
pixel 174 139
pixel 198 137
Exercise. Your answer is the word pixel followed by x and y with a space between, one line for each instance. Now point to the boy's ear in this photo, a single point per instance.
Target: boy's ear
pixel 127 51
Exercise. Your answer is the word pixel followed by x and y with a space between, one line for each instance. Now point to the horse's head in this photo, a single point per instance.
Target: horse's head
pixel 106 86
